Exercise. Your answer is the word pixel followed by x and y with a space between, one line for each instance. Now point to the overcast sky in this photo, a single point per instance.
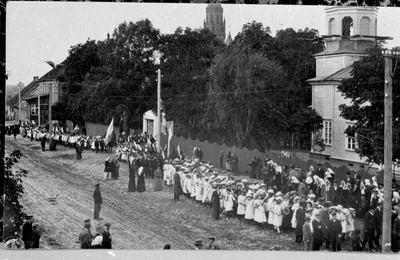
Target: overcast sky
pixel 42 31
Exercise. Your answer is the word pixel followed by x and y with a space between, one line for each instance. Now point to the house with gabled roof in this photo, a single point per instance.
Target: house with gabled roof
pixel 38 92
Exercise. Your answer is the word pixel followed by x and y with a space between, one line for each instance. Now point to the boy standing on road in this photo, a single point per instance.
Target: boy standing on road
pixel 97 201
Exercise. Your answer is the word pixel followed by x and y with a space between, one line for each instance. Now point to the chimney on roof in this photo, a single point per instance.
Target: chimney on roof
pixel 35 78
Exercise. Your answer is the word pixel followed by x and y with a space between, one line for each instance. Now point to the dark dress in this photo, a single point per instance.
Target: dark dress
pixel 300 219
pixel 177 186
pixel 158 181
pixel 140 184
pixel 215 205
pixel 132 184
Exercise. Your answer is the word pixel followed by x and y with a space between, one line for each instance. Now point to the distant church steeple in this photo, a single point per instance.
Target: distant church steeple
pixel 215 21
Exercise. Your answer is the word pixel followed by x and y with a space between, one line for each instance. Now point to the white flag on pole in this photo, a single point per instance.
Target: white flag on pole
pixel 179 151
pixel 110 130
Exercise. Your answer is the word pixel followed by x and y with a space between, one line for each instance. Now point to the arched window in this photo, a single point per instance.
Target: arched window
pixel 332 30
pixel 347 26
pixel 365 25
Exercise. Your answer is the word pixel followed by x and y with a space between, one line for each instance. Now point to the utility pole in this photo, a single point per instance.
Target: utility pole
pixel 39 106
pixel 387 182
pixel 20 86
pixel 159 116
pixel 50 103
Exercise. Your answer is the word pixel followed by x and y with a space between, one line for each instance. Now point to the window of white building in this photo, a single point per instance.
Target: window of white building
pixel 327 132
pixel 34 109
pixel 351 143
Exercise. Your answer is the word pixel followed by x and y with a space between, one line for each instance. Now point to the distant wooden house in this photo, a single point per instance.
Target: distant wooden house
pixel 36 90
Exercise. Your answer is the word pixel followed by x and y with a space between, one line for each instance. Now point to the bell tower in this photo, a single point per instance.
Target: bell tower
pixel 351 30
pixel 215 21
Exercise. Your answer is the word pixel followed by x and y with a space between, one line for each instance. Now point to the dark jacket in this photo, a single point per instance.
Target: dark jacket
pixel 335 196
pixel 106 240
pixel 97 196
pixel 335 229
pixel 369 221
pixel 318 229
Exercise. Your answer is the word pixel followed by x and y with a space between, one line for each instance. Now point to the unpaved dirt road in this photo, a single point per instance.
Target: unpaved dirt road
pixel 139 220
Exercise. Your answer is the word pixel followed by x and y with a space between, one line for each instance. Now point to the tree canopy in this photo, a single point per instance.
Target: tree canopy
pixel 252 90
pixel 366 90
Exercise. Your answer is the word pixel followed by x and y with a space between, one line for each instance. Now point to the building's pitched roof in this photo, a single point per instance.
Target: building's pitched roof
pixel 344 73
pixel 31 87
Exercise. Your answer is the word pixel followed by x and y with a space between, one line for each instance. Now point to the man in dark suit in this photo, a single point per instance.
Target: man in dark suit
pixel 319 171
pixel 27 234
pixel 318 232
pixel 97 201
pixel 335 231
pixel 378 224
pixel 85 237
pixel 335 193
pixel 325 220
pixel 369 228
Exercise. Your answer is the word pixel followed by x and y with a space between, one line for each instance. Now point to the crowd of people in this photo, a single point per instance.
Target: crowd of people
pixel 317 206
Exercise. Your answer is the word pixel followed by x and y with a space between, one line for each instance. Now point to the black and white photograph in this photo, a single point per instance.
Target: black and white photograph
pixel 142 126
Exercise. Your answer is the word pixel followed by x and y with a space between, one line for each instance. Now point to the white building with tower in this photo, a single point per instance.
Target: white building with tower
pixel 351 30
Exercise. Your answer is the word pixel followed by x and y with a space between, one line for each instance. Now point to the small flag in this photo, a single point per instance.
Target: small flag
pixel 110 130
pixel 163 155
pixel 179 150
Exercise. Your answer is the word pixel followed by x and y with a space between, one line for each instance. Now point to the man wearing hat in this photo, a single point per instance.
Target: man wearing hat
pixel 107 241
pixel 369 228
pixel 27 234
pixel 85 237
pixel 375 198
pixel 335 231
pixel 318 232
pixel 97 201
pixel 335 193
pixel 319 171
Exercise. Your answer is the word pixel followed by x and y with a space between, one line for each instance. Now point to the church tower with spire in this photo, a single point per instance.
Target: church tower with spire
pixel 215 21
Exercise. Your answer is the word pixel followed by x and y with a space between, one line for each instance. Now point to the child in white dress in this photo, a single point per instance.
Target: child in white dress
pixel 259 213
pixel 241 209
pixel 278 214
pixel 229 203
pixel 249 215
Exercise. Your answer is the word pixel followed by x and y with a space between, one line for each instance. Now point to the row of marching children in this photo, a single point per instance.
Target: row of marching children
pixel 314 222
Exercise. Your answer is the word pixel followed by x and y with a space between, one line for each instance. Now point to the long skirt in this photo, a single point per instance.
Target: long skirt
pixel 140 184
pixel 158 184
pixel 216 209
pixel 131 185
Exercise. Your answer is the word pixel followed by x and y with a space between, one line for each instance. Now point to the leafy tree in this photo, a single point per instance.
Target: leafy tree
pixel 187 54
pixel 365 89
pixel 11 192
pixel 254 36
pixel 243 94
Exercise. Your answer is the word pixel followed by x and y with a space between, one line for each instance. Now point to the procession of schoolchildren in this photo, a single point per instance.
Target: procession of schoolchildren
pixel 319 209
